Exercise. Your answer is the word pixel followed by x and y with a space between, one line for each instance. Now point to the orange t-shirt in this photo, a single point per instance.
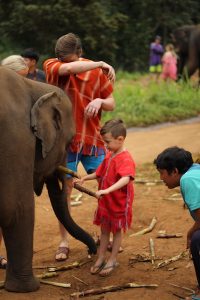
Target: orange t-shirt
pixel 81 88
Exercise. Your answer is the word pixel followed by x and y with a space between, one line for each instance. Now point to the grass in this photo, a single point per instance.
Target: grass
pixel 141 102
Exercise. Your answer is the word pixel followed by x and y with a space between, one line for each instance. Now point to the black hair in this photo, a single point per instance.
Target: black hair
pixel 174 158
pixel 30 53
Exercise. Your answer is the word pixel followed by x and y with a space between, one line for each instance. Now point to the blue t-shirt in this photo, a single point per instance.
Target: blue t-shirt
pixel 190 188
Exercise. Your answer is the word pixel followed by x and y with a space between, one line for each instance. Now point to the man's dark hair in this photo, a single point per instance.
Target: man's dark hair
pixel 30 53
pixel 174 158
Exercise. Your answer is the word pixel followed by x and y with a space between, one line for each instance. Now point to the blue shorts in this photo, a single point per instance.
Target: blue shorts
pixel 89 162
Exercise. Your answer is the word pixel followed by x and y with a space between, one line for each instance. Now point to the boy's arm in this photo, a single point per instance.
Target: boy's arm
pixel 76 67
pixel 116 186
pixel 195 227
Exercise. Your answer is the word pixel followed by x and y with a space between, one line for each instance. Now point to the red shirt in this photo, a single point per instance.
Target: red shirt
pixel 114 210
pixel 81 89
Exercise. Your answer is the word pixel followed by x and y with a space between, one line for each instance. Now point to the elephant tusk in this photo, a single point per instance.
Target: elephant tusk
pixel 68 171
pixel 76 185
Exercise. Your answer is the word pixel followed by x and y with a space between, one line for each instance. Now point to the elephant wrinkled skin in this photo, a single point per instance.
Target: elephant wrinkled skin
pixel 36 128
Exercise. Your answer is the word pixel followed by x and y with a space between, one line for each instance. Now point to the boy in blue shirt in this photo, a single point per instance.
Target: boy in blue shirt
pixel 176 168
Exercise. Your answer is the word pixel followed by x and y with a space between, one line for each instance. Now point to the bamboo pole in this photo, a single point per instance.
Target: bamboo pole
pixel 146 230
pixel 112 288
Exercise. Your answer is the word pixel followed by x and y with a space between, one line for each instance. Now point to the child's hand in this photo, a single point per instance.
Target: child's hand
pixel 101 192
pixel 79 181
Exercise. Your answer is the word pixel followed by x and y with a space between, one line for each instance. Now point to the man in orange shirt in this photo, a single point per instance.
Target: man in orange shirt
pixel 89 86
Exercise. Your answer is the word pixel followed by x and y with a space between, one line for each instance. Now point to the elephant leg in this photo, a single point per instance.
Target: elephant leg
pixel 18 239
pixel 60 207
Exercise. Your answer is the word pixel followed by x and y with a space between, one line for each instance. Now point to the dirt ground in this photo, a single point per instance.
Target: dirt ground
pixel 150 201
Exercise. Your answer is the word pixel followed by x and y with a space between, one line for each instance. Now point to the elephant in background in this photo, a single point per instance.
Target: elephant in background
pixel 186 40
pixel 36 128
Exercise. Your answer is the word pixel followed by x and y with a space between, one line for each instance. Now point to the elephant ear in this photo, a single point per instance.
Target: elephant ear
pixel 46 120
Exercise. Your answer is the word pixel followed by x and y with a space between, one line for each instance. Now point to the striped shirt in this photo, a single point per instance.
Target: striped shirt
pixel 82 88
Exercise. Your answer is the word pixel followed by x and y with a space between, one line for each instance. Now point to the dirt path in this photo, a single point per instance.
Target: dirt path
pixel 150 201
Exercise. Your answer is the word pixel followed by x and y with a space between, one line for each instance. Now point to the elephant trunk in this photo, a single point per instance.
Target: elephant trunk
pixel 60 207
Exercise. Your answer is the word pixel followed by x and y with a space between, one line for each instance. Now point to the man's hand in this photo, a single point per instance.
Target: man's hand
pixel 109 71
pixel 93 107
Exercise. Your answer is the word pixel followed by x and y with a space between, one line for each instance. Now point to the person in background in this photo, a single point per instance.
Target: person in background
pixel 32 57
pixel 115 176
pixel 16 63
pixel 169 63
pixel 176 168
pixel 156 52
pixel 89 86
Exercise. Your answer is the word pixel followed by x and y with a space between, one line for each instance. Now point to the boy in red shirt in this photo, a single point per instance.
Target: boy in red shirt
pixel 114 212
pixel 90 91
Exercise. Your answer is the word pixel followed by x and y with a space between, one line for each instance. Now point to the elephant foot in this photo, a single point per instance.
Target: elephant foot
pixel 22 286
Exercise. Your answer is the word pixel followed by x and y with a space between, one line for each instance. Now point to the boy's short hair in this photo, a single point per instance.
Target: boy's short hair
pixel 30 53
pixel 174 158
pixel 68 44
pixel 115 127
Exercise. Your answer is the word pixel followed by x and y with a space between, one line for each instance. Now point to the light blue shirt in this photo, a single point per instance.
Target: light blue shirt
pixel 190 188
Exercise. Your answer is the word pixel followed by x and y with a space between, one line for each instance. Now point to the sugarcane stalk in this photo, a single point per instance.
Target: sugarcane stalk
pixel 112 288
pixel 184 288
pixel 84 190
pixel 171 259
pixel 60 284
pixel 152 251
pixel 79 280
pixel 140 258
pixel 169 236
pixel 74 265
pixel 146 230
pixel 47 275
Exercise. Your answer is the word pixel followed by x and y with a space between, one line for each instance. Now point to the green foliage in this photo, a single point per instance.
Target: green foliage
pixel 118 32
pixel 143 102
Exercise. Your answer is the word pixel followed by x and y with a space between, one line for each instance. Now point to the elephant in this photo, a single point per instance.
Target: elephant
pixel 36 129
pixel 187 44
